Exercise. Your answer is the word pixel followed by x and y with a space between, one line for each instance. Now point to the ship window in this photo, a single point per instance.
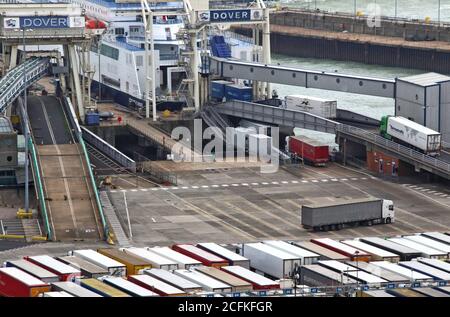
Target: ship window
pixel 139 61
pixel 110 51
pixel 119 31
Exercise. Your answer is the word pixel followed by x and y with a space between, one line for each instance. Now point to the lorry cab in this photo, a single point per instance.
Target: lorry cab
pixel 388 213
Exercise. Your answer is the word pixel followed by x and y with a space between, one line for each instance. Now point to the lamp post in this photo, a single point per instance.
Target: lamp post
pixel 357 270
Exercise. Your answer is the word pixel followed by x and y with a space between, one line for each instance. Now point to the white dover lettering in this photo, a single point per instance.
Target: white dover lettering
pixel 45 22
pixel 230 16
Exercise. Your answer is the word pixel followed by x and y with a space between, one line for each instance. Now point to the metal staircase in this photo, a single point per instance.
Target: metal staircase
pixel 113 220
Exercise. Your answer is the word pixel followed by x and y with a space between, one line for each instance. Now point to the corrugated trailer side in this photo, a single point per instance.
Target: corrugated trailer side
pixel 17 283
pixel 55 294
pixel 258 281
pixel 206 258
pixel 101 288
pixel 237 284
pixel 325 254
pixel 306 256
pixel 427 270
pixel 133 263
pixel 310 150
pixel 34 270
pixel 439 236
pixel 443 289
pixel 73 289
pixel 377 254
pixel 439 264
pixel 404 292
pixel 353 253
pixel 316 275
pixel 430 292
pixel 174 280
pixel 87 268
pixel 184 261
pixel 155 285
pixel 64 271
pixel 156 260
pixel 114 267
pixel 404 252
pixel 232 257
pixel 128 287
pixel 427 251
pixel 375 293
pixel 389 276
pixel 208 283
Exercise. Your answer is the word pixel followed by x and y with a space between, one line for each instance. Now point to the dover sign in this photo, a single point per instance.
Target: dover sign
pixel 43 22
pixel 224 16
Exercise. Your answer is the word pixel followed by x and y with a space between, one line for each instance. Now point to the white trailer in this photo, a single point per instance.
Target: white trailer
pixel 258 281
pixel 73 289
pixel 208 283
pixel 353 272
pixel 375 253
pixel 325 108
pixel 128 287
pixel 270 260
pixel 56 294
pixel 408 273
pixel 426 269
pixel 426 251
pixel 156 260
pixel 430 243
pixel 307 257
pixel 441 265
pixel 184 261
pixel 33 269
pixel 174 280
pixel 114 267
pixel 439 236
pixel 232 257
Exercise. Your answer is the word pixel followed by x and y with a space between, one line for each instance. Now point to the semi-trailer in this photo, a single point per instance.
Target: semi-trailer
pixel 435 273
pixel 271 261
pixel 306 257
pixel 443 289
pixel 175 280
pixel 232 257
pixel 157 261
pixel 17 283
pixel 426 251
pixel 344 249
pixel 376 254
pixel 387 275
pixel 404 252
pixel 411 134
pixel 128 287
pixel 156 285
pixel 237 284
pixel 34 270
pixel 430 243
pixel 317 275
pixel 258 281
pixel 325 216
pixel 354 272
pixel 438 264
pixel 324 253
pixel 408 273
pixel 88 269
pixel 430 292
pixel 55 294
pixel 73 289
pixel 208 283
pixel 375 293
pixel 206 258
pixel 101 288
pixel 404 292
pixel 438 236
pixel 184 262
pixel 65 272
pixel 133 264
pixel 114 267
pixel 325 108
pixel 310 151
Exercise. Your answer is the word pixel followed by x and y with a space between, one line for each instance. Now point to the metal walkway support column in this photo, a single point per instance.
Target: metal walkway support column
pixel 76 80
pixel 266 47
pixel 195 64
pixel 13 57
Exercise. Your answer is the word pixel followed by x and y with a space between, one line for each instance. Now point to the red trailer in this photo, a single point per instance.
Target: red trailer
pixel 311 151
pixel 65 272
pixel 17 283
pixel 198 254
pixel 344 249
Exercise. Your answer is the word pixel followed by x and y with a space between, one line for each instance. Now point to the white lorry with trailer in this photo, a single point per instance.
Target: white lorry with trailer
pixel 334 216
pixel 320 107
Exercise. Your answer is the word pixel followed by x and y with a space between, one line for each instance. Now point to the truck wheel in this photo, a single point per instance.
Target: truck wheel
pixel 369 223
pixel 339 227
pixel 316 229
pixel 326 228
pixel 333 227
pixel 388 220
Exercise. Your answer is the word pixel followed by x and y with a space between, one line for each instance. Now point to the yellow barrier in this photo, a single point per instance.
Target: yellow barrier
pixel 11 236
pixel 39 238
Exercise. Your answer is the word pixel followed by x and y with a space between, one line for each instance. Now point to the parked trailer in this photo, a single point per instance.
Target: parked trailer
pixel 430 243
pixel 157 261
pixel 438 264
pixel 101 288
pixel 441 237
pixel 375 293
pixel 387 275
pixel 317 275
pixel 411 133
pixel 155 285
pixel 132 263
pixel 325 108
pixel 73 289
pixel 443 289
pixel 237 284
pixel 184 262
pixel 325 254
pixel 376 254
pixel 208 283
pixel 430 292
pixel 353 253
pixel 65 272
pixel 404 252
pixel 324 216
pixel 87 268
pixel 258 281
pixel 128 287
pixel 55 294
pixel 34 270
pixel 270 260
pixel 404 292
pixel 114 267
pixel 353 272
pixel 408 273
pixel 310 151
pixel 232 257
pixel 174 280
pixel 436 274
pixel 17 283
pixel 426 251
pixel 206 258
pixel 306 257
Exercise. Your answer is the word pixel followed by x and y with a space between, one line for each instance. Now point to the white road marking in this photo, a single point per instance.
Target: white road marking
pixel 244 184
pixel 324 180
pixel 256 184
pixel 113 191
pixel 265 183
pixel 194 187
pixel 154 189
pixel 134 190
pixel 293 182
pixel 224 185
pixel 344 179
pixel 215 186
pixel 334 179
pixel 205 186
pixel 144 189
pixel 235 185
pixel 275 183
pixel 305 182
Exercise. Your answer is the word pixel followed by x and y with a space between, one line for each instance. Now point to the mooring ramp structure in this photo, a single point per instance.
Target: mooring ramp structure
pixel 227 67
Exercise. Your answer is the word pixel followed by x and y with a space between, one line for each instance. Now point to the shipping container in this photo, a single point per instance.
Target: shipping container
pixel 430 243
pixel 354 272
pixel 87 268
pixel 344 249
pixel 387 275
pixel 238 92
pixel 34 270
pixel 65 272
pixel 157 261
pixel 324 216
pixel 128 287
pixel 156 285
pixel 375 293
pixel 218 89
pixel 311 151
pixel 404 252
pixel 73 289
pixel 237 284
pixel 258 281
pixel 435 273
pixel 55 294
pixel 411 133
pixel 404 292
pixel 232 257
pixel 174 280
pixel 441 237
pixel 438 264
pixel 317 275
pixel 307 257
pixel 206 258
pixel 17 283
pixel 183 261
pixel 271 261
pixel 325 108
pixel 208 283
pixel 325 253
pixel 426 251
pixel 376 254
pixel 132 263
pixel 114 267
pixel 407 273
pixel 101 288
pixel 430 292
